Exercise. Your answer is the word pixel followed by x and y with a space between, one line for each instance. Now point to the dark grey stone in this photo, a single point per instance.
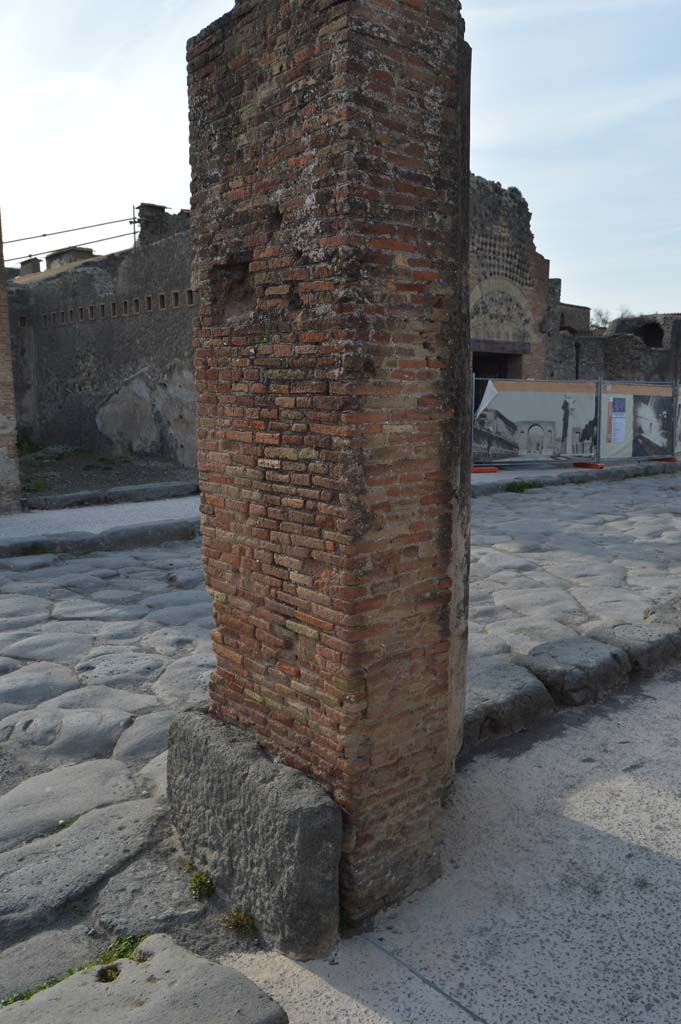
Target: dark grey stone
pixel 648 646
pixel 40 804
pixel 268 835
pixel 580 671
pixel 501 699
pixel 169 985
pixel 149 895
pixel 44 957
pixel 149 534
pixel 665 613
pixel 51 872
pixel 146 738
pixel 118 539
pixel 131 492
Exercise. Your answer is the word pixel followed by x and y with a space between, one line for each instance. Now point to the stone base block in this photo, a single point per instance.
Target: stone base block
pixel 268 835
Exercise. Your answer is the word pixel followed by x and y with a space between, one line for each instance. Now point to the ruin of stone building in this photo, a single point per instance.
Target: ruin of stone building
pixel 641 348
pixel 102 345
pixel 514 302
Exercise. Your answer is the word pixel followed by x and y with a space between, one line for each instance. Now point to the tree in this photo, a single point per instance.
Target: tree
pixel 600 317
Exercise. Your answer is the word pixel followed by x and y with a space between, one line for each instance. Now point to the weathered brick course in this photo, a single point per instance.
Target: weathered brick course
pixel 9 466
pixel 329 148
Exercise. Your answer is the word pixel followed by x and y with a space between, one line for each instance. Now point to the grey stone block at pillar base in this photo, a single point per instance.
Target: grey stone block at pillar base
pixel 268 835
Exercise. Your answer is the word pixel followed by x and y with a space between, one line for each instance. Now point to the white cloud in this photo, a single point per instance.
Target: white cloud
pixel 524 120
pixel 527 10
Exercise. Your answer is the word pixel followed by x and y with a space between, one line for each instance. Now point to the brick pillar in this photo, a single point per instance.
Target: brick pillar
pixel 329 149
pixel 9 466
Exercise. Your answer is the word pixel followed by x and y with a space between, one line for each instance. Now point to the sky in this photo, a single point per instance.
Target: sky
pixel 575 102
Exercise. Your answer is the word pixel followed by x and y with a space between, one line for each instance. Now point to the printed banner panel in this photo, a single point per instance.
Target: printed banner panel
pixel 637 421
pixel 536 420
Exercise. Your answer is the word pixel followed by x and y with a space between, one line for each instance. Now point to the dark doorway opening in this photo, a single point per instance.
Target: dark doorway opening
pixel 491 365
pixel 651 333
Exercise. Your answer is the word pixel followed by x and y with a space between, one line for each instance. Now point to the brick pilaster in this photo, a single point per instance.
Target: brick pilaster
pixel 329 149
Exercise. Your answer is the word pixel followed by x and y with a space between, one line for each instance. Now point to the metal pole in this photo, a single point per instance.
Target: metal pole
pixel 599 416
pixel 472 421
pixel 134 227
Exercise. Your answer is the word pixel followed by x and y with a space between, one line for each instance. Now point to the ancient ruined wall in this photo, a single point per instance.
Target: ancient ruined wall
pixel 619 356
pixel 567 353
pixel 329 223
pixel 510 292
pixel 575 318
pixel 9 468
pixel 103 352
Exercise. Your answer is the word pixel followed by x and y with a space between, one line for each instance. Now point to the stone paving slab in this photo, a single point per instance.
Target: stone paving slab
pixel 565 582
pixel 166 985
pixel 50 873
pixel 49 954
pixel 45 803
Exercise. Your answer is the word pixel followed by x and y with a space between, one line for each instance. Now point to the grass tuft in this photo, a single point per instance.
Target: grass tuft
pixel 240 922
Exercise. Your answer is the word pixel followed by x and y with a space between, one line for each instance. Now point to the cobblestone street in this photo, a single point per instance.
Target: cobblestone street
pixel 99 652
pixel 556 563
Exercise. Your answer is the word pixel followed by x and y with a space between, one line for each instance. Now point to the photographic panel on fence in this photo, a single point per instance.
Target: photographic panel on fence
pixel 637 421
pixel 536 420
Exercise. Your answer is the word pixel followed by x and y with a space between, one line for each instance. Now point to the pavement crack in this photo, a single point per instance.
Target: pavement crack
pixel 426 981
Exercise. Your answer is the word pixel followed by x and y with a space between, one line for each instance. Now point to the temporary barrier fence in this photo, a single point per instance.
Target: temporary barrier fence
pixel 574 420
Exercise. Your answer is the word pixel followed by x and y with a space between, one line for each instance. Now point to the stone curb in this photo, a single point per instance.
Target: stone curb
pixel 579 476
pixel 572 673
pixel 116 539
pixel 114 495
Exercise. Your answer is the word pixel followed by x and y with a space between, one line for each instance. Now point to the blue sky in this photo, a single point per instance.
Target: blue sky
pixel 575 102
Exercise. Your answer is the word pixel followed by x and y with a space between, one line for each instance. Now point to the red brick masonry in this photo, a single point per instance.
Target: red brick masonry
pixel 329 148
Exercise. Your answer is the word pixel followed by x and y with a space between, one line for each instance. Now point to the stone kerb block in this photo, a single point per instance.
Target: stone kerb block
pixel 267 835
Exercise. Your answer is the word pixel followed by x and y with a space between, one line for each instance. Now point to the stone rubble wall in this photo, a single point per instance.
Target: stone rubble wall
pixel 102 352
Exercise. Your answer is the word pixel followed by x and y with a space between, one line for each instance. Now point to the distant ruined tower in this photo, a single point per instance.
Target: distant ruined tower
pixel 330 160
pixel 9 466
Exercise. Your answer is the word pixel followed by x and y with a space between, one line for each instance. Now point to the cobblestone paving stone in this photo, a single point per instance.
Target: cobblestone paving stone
pixel 555 564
